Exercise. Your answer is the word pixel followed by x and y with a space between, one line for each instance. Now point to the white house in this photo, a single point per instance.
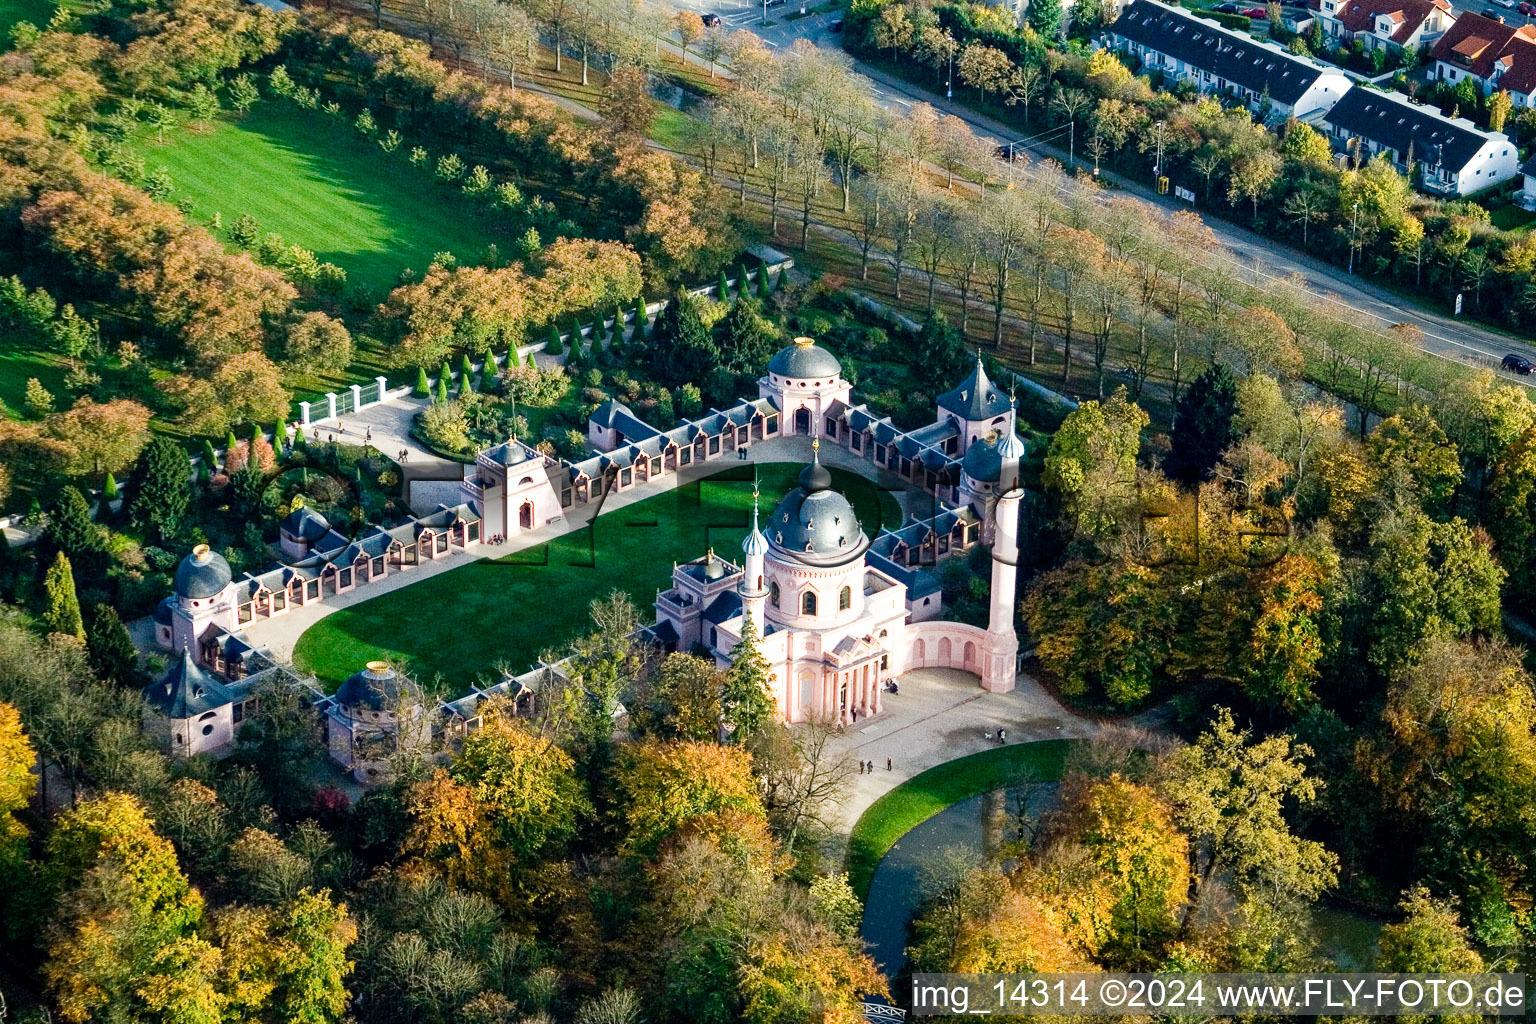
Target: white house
pixel 1454 156
pixel 1219 60
pixel 1385 24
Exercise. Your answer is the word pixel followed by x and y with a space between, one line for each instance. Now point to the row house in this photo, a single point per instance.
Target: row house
pixel 1454 156
pixel 1390 25
pixel 1490 54
pixel 1220 60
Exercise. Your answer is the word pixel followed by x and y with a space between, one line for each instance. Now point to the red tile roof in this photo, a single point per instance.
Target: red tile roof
pixel 1360 15
pixel 1481 44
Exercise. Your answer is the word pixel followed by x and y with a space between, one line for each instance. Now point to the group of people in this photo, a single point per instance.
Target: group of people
pixel 868 767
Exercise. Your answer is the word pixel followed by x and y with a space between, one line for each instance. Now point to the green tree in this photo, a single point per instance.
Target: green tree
pixel 747 702
pixel 1202 424
pixel 940 357
pixel 71 530
pixel 312 965
pixel 1091 464
pixel 1414 455
pixel 1305 144
pixel 682 349
pixel 527 785
pixel 1230 794
pixel 111 649
pixel 1044 16
pixel 162 488
pixel 423 386
pixel 747 339
pixel 663 785
pixel 685 700
pixel 37 399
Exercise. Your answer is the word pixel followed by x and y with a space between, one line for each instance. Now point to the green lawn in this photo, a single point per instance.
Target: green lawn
pixel 1511 218
pixel 11 11
pixel 316 182
pixel 461 624
pixel 921 797
pixel 19 362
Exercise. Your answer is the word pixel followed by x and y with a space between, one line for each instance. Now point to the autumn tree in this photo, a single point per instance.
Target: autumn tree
pixel 663 785
pixel 62 615
pixel 316 343
pixel 1091 464
pixel 18 760
pixel 125 934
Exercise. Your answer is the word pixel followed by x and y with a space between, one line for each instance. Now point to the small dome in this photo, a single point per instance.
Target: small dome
pixel 755 543
pixel 1012 446
pixel 803 360
pixel 815 524
pixel 983 461
pixel 305 524
pixel 378 688
pixel 202 574
pixel 714 569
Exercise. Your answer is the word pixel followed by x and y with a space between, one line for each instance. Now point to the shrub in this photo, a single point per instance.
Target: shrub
pixel 445 426
pixel 555 346
pixel 450 168
pixel 244 231
pixel 423 386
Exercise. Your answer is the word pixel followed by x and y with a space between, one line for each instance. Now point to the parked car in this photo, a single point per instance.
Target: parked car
pixel 777 3
pixel 1506 3
pixel 1518 364
pixel 710 20
pixel 1226 8
pixel 1263 12
pixel 836 26
pixel 1526 8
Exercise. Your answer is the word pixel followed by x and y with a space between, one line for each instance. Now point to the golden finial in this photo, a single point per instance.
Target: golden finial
pixel 815 446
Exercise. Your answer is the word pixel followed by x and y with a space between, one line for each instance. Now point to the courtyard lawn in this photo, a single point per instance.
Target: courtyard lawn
pixel 18 362
pixel 462 624
pixel 924 795
pixel 38 12
pixel 312 179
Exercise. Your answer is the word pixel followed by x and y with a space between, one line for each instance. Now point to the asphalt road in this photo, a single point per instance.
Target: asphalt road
pixel 1443 334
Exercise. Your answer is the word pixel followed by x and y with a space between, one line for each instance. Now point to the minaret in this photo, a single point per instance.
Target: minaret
pixel 1010 449
pixel 1002 644
pixel 753 587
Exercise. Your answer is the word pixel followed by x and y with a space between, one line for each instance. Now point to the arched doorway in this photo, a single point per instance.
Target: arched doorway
pixel 525 516
pixel 802 421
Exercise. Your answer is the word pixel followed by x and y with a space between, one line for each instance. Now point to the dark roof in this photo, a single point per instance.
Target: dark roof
pixel 188 690
pixel 1233 56
pixel 203 573
pixel 804 359
pixel 1480 44
pixel 723 608
pixel 976 398
pixel 983 462
pixel 815 524
pixel 163 611
pixel 306 524
pixel 377 687
pixel 1398 123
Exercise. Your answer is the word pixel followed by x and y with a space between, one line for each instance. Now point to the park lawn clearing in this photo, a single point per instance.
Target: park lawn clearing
pixel 921 797
pixel 464 624
pixel 20 361
pixel 314 180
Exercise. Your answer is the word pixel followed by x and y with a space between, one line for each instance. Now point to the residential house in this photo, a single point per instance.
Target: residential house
pixel 1491 54
pixel 1454 156
pixel 1390 25
pixel 1220 60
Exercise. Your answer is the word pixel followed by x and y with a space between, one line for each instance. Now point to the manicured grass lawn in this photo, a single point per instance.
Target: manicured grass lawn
pixel 921 797
pixel 464 623
pixel 316 182
pixel 19 362
pixel 1511 218
pixel 11 11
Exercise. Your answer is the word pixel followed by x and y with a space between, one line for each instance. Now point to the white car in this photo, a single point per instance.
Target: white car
pixel 1506 3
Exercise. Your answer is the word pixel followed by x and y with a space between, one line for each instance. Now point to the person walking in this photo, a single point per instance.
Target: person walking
pixel 887 764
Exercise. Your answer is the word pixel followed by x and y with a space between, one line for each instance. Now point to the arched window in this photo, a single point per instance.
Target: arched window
pixel 773 593
pixel 808 602
pixel 845 599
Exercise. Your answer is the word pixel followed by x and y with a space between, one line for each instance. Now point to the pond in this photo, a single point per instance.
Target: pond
pixel 971 831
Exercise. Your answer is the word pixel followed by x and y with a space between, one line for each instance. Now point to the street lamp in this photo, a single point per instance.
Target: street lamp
pixel 1354 236
pixel 949 49
pixel 1157 166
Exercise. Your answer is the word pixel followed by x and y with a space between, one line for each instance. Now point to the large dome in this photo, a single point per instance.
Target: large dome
pixel 804 360
pixel 378 688
pixel 983 460
pixel 202 574
pixel 814 524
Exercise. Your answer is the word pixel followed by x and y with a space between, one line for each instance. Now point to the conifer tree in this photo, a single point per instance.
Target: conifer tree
pixel 466 368
pixel 554 347
pixel 747 340
pixel 70 528
pixel 110 648
pixel 279 435
pixel 723 288
pixel 442 388
pixel 210 457
pixel 514 357
pixel 109 488
pixel 764 283
pixel 423 386
pixel 444 374
pixel 746 701
pixel 231 445
pixel 63 612
pixel 682 348
pixel 640 322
